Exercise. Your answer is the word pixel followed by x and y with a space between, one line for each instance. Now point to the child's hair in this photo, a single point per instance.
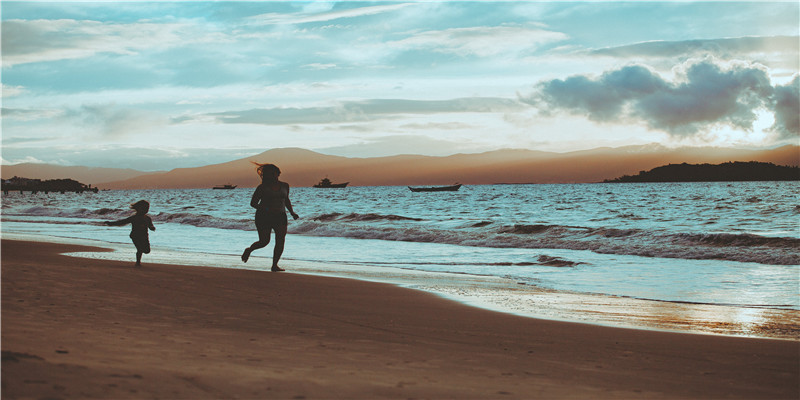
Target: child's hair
pixel 269 167
pixel 141 206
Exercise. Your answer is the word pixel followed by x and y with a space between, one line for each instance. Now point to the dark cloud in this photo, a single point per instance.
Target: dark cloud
pixel 702 96
pixel 787 109
pixel 361 111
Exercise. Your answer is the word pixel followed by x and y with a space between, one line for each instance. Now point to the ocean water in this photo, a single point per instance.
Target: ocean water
pixel 710 249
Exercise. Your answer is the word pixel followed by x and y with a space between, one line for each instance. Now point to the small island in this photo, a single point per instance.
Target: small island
pixel 725 172
pixel 51 185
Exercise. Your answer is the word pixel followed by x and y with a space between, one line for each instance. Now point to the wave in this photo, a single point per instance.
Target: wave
pixel 363 217
pixel 42 211
pixel 639 242
pixel 484 233
pixel 726 239
pixel 97 216
pixel 205 221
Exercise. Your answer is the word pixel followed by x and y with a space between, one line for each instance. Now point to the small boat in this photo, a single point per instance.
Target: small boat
pixel 228 186
pixel 451 188
pixel 326 183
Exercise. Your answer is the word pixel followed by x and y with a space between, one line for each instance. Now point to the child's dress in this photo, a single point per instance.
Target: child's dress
pixel 139 226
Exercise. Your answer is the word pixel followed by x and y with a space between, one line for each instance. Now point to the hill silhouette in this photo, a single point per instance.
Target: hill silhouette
pixel 304 167
pixel 726 172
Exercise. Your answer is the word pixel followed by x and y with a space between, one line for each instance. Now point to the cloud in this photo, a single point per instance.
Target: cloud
pixel 480 41
pixel 787 109
pixel 24 140
pixel 444 126
pixel 402 144
pixel 703 95
pixel 319 66
pixel 139 158
pixel 21 114
pixel 28 41
pixel 310 14
pixel 723 48
pixel 11 91
pixel 23 160
pixel 367 110
pixel 112 120
pixel 779 53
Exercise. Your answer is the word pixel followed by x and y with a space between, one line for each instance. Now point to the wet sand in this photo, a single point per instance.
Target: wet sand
pixel 83 328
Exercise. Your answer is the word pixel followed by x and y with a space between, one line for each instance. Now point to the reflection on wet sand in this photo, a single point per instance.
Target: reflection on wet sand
pixel 628 312
pixel 506 295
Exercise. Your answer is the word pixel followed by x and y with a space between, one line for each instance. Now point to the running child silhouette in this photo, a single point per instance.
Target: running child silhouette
pixel 140 223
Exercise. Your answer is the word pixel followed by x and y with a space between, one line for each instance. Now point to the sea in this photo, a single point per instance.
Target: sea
pixel 704 258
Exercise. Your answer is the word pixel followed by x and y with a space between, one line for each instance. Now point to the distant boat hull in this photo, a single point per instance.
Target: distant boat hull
pixel 451 188
pixel 226 187
pixel 331 185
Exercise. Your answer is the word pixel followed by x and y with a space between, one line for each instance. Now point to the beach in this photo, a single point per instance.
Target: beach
pixel 87 328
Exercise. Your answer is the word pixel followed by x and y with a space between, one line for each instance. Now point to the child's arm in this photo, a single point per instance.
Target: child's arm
pixel 150 224
pixel 119 223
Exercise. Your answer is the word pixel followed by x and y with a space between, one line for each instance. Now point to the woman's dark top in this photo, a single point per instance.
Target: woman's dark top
pixel 272 201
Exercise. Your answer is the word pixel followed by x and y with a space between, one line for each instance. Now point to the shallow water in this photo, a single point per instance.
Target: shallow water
pixel 731 246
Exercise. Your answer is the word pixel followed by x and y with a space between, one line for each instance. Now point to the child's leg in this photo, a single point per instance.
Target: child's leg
pixel 142 247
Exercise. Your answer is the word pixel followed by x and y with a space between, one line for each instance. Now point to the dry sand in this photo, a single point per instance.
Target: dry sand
pixel 82 328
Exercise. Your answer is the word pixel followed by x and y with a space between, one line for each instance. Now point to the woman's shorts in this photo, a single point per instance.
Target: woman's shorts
pixel 267 220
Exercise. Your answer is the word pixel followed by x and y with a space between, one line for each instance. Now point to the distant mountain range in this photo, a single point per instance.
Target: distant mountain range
pixel 304 168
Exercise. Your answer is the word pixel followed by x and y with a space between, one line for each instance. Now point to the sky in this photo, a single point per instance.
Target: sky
pixel 162 85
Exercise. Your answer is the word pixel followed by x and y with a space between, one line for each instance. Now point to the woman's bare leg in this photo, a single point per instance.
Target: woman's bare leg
pixel 280 240
pixel 263 241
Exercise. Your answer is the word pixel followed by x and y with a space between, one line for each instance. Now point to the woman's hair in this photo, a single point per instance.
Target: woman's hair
pixel 141 206
pixel 266 167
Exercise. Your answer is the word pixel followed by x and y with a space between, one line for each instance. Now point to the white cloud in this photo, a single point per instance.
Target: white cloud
pixel 24 160
pixel 12 91
pixel 365 110
pixel 28 41
pixel 30 114
pixel 319 67
pixel 481 41
pixel 311 15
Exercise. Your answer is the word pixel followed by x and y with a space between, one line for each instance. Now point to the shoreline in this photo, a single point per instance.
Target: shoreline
pixel 75 327
pixel 506 295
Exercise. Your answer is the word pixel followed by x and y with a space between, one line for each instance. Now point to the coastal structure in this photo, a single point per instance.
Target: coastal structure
pixel 51 185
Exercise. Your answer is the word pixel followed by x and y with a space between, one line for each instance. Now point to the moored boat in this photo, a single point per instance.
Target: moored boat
pixel 451 188
pixel 326 183
pixel 228 186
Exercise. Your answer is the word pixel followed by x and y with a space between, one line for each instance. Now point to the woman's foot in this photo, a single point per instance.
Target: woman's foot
pixel 276 268
pixel 246 255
